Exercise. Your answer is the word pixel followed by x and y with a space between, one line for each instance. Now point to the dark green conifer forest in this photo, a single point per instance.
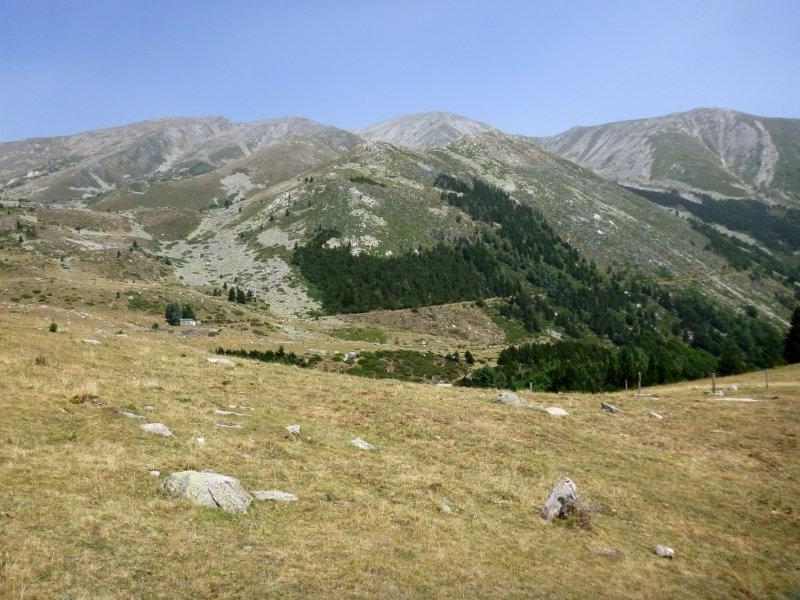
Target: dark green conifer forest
pixel 616 323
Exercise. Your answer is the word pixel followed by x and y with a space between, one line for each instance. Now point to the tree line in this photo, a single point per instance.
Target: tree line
pixel 618 321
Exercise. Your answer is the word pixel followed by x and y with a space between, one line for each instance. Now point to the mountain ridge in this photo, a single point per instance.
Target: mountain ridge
pixel 719 151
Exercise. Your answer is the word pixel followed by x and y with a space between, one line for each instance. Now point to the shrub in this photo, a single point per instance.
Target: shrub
pixel 53 327
pixel 173 313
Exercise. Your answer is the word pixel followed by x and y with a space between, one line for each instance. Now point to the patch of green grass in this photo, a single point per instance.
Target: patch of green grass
pixel 366 180
pixel 139 302
pixel 361 334
pixel 683 158
pixel 407 365
pixel 514 330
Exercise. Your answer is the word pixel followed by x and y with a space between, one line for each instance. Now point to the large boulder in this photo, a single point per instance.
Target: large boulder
pixel 561 500
pixel 209 489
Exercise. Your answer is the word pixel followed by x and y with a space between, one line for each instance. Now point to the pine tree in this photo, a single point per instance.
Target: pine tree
pixel 173 313
pixel 241 298
pixel 232 295
pixel 791 345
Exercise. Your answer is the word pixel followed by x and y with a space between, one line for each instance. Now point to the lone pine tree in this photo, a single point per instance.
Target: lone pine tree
pixel 791 345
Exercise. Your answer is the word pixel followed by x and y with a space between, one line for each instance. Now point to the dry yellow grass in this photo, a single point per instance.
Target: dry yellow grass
pixel 80 517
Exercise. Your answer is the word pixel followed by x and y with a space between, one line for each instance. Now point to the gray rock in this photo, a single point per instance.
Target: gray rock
pixel 509 398
pixel 293 429
pixel 218 360
pixel 665 551
pixel 274 496
pixel 157 429
pixel 228 425
pixel 556 411
pixel 92 342
pixel 608 552
pixel 609 408
pixel 228 413
pixel 209 489
pixel 130 415
pixel 200 441
pixel 655 415
pixel 350 357
pixel 561 500
pixel 155 473
pixel 362 444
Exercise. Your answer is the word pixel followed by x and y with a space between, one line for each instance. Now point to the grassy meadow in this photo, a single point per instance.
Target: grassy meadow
pixel 447 506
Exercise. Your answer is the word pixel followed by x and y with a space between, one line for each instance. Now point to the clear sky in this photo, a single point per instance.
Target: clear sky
pixel 524 66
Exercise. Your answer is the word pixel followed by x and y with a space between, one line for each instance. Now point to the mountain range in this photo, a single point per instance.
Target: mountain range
pixel 230 201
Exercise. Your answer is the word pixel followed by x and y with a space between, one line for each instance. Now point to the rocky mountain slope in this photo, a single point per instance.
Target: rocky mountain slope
pixel 712 150
pixel 132 158
pixel 228 203
pixel 425 130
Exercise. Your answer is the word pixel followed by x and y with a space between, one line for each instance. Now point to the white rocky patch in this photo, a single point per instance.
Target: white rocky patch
pixel 90 191
pixel 367 218
pixel 359 198
pixel 358 244
pixel 238 185
pixel 275 236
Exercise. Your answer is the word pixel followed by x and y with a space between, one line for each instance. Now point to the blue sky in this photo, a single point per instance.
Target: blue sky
pixel 524 66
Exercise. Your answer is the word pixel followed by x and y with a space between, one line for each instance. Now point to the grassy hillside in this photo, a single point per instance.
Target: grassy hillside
pixel 447 506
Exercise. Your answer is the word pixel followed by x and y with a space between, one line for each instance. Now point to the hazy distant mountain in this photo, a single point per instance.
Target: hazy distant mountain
pixel 424 130
pixel 714 150
pixel 133 157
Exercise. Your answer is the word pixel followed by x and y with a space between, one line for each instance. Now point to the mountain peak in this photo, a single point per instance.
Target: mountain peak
pixel 425 130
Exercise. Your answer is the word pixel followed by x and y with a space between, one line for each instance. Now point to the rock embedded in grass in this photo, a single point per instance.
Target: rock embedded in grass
pixel 362 444
pixel 209 489
pixel 228 413
pixel 157 429
pixel 561 500
pixel 665 551
pixel 609 408
pixel 509 399
pixel 218 360
pixel 556 411
pixel 274 496
pixel 130 415
pixel 293 429
pixel 655 415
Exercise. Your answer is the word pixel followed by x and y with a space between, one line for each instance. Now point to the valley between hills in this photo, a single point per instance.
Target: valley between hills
pixel 396 341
